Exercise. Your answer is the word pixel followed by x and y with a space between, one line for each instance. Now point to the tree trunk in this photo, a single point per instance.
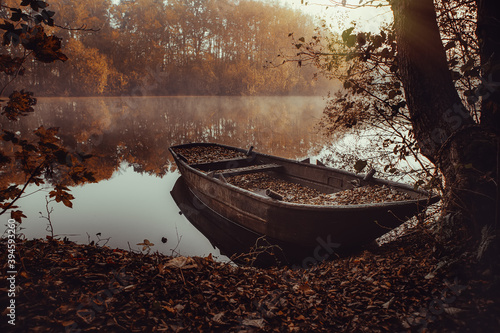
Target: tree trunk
pixel 464 151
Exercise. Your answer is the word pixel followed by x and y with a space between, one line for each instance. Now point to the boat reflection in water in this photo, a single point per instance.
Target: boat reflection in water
pixel 243 246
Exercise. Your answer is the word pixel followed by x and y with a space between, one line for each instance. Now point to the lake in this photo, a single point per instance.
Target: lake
pixel 129 139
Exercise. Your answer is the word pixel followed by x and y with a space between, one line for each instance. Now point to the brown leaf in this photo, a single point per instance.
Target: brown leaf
pixel 20 104
pixel 168 308
pixel 17 215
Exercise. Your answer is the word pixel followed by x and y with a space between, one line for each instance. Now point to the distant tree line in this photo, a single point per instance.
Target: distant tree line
pixel 173 47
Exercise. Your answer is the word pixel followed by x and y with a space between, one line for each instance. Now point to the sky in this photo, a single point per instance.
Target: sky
pixel 367 18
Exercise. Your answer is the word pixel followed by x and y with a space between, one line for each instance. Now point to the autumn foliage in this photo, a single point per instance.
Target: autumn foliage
pixel 181 47
pixel 40 156
pixel 396 288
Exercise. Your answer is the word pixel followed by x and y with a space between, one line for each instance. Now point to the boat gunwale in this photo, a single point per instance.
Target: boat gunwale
pixel 282 204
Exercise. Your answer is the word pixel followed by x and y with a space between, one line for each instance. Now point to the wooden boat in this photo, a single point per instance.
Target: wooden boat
pixel 320 227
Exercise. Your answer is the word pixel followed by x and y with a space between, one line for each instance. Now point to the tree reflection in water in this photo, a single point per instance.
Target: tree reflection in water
pixel 125 134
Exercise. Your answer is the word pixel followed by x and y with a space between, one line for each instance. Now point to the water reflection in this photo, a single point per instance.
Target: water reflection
pixel 129 140
pixel 233 240
pixel 242 245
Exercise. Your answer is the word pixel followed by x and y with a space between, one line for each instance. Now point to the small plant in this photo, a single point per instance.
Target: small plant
pixel 49 210
pixel 146 246
pixel 99 239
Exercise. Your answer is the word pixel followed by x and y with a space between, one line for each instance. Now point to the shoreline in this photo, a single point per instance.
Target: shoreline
pixel 397 287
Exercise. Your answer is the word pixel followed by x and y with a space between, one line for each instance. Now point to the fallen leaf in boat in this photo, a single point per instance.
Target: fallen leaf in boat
pixel 208 154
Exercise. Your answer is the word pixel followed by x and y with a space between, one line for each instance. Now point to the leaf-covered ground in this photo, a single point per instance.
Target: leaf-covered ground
pixel 400 287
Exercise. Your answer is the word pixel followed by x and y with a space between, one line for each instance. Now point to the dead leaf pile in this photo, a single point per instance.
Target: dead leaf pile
pixel 361 195
pixel 63 286
pixel 206 154
pixel 292 192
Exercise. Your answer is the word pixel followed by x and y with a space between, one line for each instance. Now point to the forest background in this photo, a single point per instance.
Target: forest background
pixel 175 47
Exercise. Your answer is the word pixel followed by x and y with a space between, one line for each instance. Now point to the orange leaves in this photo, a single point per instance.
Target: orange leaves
pixel 20 104
pixel 41 161
pixel 45 48
pixel 25 28
pixel 76 285
pixel 49 50
pixel 11 65
pixel 208 154
pixel 36 5
pixel 304 288
pixel 61 194
pixel 47 135
pixel 19 30
pixel 9 193
pixel 168 308
pixel 79 173
pixel 17 215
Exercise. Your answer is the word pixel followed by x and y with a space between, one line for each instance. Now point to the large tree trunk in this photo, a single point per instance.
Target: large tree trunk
pixel 464 151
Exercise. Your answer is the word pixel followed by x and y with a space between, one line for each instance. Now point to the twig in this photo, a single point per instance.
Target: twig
pixel 33 175
pixel 252 255
pixel 82 28
pixel 130 249
pixel 178 242
pixel 17 72
pixel 103 239
pixel 182 275
pixel 50 227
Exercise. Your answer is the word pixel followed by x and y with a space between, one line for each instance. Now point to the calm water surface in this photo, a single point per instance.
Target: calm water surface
pixel 129 139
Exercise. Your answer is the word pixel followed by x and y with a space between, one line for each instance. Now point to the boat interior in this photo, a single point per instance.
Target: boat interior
pixel 318 177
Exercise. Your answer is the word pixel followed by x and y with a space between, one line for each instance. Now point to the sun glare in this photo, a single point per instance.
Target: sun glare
pixel 341 14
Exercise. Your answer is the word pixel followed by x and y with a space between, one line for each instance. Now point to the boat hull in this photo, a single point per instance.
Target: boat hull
pixel 241 245
pixel 342 227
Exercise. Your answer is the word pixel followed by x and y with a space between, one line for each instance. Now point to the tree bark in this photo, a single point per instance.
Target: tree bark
pixel 464 151
pixel 434 104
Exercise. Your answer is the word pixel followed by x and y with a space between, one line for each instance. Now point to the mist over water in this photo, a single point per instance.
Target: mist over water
pixel 129 139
